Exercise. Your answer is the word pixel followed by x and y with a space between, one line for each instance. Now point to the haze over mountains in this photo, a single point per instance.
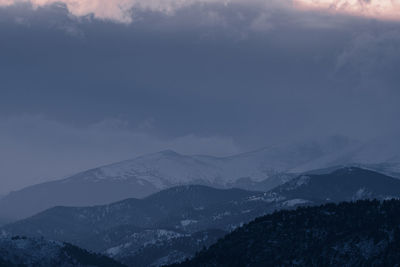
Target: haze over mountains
pixel 259 170
pixel 175 223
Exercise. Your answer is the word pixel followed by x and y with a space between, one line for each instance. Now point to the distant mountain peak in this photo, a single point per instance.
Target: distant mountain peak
pixel 352 171
pixel 169 152
pixel 349 169
pixel 164 153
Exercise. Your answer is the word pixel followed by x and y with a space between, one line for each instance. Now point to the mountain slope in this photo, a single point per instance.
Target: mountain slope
pixel 156 227
pixel 30 252
pixel 70 192
pixel 172 208
pixel 172 224
pixel 158 252
pixel 345 184
pixel 365 233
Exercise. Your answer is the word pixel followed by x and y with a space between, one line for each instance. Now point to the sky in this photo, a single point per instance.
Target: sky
pixel 89 82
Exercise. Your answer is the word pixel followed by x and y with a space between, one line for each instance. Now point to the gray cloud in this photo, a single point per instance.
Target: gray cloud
pixel 124 11
pixel 371 53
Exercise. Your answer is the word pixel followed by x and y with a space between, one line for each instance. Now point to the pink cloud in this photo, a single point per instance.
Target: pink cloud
pixel 116 10
pixel 379 9
pixel 121 10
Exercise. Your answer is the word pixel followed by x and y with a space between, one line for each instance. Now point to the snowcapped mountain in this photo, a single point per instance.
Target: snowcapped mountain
pixel 37 252
pixel 140 177
pixel 168 168
pixel 259 170
pixel 177 222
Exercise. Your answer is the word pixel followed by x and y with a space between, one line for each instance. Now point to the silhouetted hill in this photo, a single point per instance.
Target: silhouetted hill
pixel 33 252
pixel 364 233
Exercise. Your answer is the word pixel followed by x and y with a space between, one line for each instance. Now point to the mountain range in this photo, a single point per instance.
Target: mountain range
pixel 260 170
pixel 171 225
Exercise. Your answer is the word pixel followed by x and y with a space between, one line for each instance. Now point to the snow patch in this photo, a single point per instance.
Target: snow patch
pixel 267 197
pixel 361 193
pixel 294 202
pixel 185 223
pixel 114 251
pixel 303 180
pixel 221 215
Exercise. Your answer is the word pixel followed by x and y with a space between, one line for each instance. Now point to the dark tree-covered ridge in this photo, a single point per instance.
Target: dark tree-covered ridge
pixel 361 233
pixel 21 251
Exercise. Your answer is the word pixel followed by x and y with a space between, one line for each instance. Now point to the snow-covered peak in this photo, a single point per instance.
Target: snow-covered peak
pixel 169 168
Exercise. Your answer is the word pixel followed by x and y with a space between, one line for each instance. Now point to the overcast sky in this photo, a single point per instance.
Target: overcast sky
pixel 89 82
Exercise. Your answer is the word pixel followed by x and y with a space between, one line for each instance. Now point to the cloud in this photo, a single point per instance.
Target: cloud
pixel 123 10
pixel 371 51
pixel 380 9
pixel 35 149
pixel 115 10
pixel 373 59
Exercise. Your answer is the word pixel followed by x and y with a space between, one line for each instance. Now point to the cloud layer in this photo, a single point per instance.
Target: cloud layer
pixel 380 9
pixel 123 10
pixel 116 10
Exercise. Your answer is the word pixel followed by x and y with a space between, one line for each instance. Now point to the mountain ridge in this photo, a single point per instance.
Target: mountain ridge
pixel 180 217
pixel 261 170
